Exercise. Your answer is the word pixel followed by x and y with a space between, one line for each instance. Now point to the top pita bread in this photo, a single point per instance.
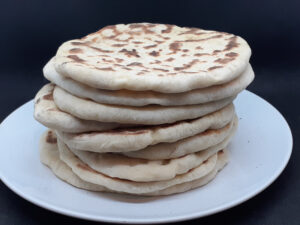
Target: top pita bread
pixel 158 57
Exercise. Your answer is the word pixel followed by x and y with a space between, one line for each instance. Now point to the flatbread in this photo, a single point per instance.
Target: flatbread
pixel 132 139
pixel 142 98
pixel 142 170
pixel 157 57
pixel 50 157
pixel 46 112
pixel 87 174
pixel 147 115
pixel 206 142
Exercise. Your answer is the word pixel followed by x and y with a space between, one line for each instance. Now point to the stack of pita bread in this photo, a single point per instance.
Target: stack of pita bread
pixel 143 109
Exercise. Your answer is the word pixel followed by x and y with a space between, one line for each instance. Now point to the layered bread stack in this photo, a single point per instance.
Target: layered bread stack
pixel 143 109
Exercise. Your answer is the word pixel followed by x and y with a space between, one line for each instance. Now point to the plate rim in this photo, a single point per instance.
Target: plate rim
pixel 220 208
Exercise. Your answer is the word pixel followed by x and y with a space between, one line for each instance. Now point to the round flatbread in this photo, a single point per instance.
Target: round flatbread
pixel 142 98
pixel 157 57
pixel 132 139
pixel 147 115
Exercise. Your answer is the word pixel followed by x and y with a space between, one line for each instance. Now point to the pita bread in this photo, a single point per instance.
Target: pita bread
pixel 147 115
pixel 50 157
pixel 157 57
pixel 142 98
pixel 88 174
pixel 46 112
pixel 209 141
pixel 132 139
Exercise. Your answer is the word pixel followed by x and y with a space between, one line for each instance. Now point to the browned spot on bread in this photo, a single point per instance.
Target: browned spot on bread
pixel 231 44
pixel 186 66
pixel 135 64
pixel 183 55
pixel 76 58
pixel 119 60
pixel 150 46
pixel 160 75
pixel 107 60
pixel 78 43
pixel 200 54
pixel 50 138
pixel 75 50
pixel 104 68
pixel 140 73
pixel 48 97
pixel 129 53
pixel 221 152
pixel 155 62
pixel 160 69
pixel 193 30
pixel 137 42
pixel 165 162
pixel 199 48
pixel 119 45
pixel 185 50
pixel 214 67
pixel 175 47
pixel 170 59
pixel 168 29
pixel 159 42
pixel 232 54
pixel 205 161
pixel 154 53
pixel 224 60
pixel 144 27
pixel 216 52
pixel 101 50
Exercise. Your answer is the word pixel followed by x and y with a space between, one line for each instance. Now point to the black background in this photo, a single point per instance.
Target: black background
pixel 31 31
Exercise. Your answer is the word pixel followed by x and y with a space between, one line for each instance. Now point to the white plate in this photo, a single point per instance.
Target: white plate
pixel 258 153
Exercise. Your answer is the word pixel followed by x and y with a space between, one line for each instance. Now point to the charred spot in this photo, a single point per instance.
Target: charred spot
pixel 214 67
pixel 200 54
pixel 135 64
pixel 216 52
pixel 170 59
pixel 232 54
pixel 76 58
pixel 150 46
pixel 119 45
pixel 75 50
pixel 174 47
pixel 186 66
pixel 168 29
pixel 185 50
pixel 160 69
pixel 129 53
pixel 231 44
pixel 101 50
pixel 154 53
pixel 224 61
pixel 48 97
pixel 51 139
pixel 155 62
pixel 137 42
pixel 119 60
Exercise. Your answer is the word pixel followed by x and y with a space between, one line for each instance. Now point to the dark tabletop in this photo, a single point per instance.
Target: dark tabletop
pixel 31 31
